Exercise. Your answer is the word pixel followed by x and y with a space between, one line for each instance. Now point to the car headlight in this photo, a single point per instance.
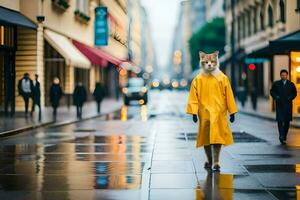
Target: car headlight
pixel 125 90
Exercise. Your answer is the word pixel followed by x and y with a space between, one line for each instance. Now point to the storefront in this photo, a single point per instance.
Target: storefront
pixel 65 61
pixel 9 22
pixel 105 64
pixel 289 45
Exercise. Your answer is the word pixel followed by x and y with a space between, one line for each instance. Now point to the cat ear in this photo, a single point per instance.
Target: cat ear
pixel 201 54
pixel 216 52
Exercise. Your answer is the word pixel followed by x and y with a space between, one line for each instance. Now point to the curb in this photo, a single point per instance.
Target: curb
pixel 27 128
pixel 261 116
pixel 51 124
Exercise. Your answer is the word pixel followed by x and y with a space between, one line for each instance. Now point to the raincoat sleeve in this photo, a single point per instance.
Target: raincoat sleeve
pixel 231 105
pixel 192 107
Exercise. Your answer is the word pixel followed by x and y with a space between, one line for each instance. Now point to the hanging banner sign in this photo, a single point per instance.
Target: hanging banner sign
pixel 101 26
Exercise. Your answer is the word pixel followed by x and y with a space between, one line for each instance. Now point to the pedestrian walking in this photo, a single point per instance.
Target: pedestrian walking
pixel 55 95
pixel 79 97
pixel 254 98
pixel 25 87
pixel 99 94
pixel 210 98
pixel 36 96
pixel 283 92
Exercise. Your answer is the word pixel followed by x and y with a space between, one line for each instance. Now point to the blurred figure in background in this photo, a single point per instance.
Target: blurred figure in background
pixel 79 97
pixel 99 94
pixel 55 96
pixel 25 87
pixel 254 98
pixel 283 92
pixel 36 96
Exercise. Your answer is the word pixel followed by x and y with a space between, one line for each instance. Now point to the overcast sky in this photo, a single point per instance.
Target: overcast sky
pixel 163 16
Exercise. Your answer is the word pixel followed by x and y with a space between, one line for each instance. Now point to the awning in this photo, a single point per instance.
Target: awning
pixel 286 43
pixel 65 48
pixel 96 55
pixel 12 17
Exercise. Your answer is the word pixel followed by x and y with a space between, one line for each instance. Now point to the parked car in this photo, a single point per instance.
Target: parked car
pixel 135 90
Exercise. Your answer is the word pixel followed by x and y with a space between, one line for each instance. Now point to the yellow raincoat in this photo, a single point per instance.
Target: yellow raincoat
pixel 210 98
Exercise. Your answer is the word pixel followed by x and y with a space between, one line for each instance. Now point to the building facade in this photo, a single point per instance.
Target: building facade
pixel 191 19
pixel 256 27
pixel 214 8
pixel 57 39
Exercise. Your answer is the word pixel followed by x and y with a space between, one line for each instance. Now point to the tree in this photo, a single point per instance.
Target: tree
pixel 208 38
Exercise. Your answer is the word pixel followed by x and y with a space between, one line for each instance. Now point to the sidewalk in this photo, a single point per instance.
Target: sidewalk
pixel 264 111
pixel 65 115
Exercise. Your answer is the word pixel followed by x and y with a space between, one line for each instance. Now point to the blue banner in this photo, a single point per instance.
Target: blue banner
pixel 101 26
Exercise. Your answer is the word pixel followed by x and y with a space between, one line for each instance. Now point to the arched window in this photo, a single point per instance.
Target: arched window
pixel 270 16
pixel 282 10
pixel 262 20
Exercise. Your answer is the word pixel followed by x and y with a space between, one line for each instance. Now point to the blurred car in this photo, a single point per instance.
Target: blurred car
pixel 135 90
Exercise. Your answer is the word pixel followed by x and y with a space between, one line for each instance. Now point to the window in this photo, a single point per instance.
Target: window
pixel 282 10
pixel 239 29
pixel 7 36
pixel 270 16
pixel 83 6
pixel 254 21
pixel 262 20
pixel 244 26
pixel 249 23
pixel 298 6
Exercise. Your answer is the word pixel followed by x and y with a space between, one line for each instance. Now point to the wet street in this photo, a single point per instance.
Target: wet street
pixel 147 152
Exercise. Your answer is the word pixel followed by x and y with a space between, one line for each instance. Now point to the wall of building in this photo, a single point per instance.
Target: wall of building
pixel 63 22
pixel 11 4
pixel 118 24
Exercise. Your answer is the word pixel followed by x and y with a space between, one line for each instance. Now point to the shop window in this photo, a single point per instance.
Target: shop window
pixel 7 36
pixel 282 10
pixel 270 16
pixel 54 67
pixel 83 76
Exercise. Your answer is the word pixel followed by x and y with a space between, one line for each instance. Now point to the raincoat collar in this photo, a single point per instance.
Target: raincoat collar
pixel 215 73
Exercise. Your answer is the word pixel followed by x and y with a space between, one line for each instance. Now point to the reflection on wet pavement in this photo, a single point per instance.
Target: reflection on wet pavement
pixel 87 156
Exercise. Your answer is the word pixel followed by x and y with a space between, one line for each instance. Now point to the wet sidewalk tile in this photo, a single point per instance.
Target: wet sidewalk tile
pixel 179 181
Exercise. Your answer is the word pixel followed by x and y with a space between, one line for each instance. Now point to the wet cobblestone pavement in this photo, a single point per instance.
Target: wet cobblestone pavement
pixel 147 152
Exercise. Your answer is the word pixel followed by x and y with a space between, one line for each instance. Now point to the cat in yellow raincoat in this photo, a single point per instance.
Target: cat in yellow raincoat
pixel 211 99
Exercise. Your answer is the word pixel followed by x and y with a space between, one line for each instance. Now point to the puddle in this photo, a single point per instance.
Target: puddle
pixel 286 194
pixel 239 137
pixel 272 168
pixel 83 163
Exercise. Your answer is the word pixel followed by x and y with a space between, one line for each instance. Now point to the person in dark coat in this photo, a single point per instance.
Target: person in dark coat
pixel 99 94
pixel 79 97
pixel 283 92
pixel 25 87
pixel 55 95
pixel 36 96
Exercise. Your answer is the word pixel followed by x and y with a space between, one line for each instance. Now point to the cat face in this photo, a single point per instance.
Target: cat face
pixel 209 62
